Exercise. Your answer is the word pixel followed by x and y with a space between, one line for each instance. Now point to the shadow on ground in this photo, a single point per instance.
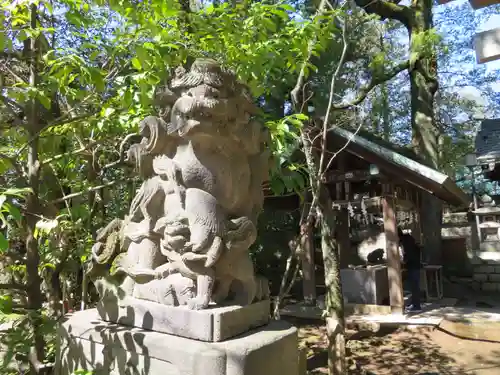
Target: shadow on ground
pixel 399 351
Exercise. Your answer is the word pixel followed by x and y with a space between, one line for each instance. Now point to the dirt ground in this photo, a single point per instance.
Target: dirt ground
pixel 403 352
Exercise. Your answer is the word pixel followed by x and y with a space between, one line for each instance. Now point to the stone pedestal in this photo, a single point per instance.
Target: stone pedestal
pixel 88 343
pixel 213 324
pixel 365 285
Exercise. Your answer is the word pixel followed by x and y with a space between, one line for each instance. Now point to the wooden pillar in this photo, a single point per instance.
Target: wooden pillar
pixel 417 234
pixel 342 234
pixel 308 264
pixel 393 258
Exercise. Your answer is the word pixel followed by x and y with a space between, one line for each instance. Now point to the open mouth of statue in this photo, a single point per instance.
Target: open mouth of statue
pixel 189 125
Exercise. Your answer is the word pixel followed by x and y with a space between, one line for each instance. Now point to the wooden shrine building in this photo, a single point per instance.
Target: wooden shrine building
pixel 375 180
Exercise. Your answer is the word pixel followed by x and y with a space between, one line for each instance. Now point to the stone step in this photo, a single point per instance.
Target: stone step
pixel 476 324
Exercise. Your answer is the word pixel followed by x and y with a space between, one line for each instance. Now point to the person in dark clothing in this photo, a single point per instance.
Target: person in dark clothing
pixel 412 261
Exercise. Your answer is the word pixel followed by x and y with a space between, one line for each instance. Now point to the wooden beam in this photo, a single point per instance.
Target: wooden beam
pixel 339 186
pixel 393 258
pixel 357 175
pixel 342 237
pixel 374 204
pixel 308 264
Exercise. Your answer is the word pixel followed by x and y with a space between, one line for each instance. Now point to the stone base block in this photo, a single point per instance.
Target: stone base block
pixel 213 324
pixel 86 343
pixel 365 285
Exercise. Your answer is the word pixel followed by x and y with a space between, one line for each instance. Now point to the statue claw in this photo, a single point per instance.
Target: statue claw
pixel 197 303
pixel 192 257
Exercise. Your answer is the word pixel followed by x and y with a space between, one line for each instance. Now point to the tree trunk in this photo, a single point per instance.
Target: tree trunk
pixel 424 85
pixel 417 18
pixel 33 208
pixel 385 112
pixel 334 301
pixel 32 254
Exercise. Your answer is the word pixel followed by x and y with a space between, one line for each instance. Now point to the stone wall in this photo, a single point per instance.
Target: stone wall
pixel 456 225
pixel 486 275
pixel 479 265
pixel 456 234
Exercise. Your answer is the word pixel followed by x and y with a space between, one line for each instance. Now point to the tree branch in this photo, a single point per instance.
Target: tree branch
pixel 7 55
pixel 13 286
pixel 376 80
pixel 8 103
pixel 301 79
pixel 77 194
pixel 12 160
pixel 386 9
pixel 321 169
pixel 18 78
pixel 11 102
pixel 64 120
pixel 121 157
pixel 69 153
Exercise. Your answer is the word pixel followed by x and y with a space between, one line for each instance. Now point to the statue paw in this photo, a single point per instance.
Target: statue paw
pixel 197 303
pixel 192 257
pixel 163 274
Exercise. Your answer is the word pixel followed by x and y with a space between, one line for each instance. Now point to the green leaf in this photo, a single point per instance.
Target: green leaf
pixel 94 55
pixel 277 186
pixel 108 112
pixel 44 100
pixel 4 243
pixel 48 265
pixel 136 63
pixel 142 55
pixel 210 9
pixel 18 192
pixel 5 304
pixel 127 98
pixel 13 211
pixel 49 7
pixel 300 181
pixel 74 18
pixel 97 79
pixel 289 183
pixel 83 372
pixel 287 7
pixel 172 46
pixel 3 221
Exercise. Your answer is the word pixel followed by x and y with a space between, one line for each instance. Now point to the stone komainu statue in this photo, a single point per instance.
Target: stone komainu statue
pixel 186 237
